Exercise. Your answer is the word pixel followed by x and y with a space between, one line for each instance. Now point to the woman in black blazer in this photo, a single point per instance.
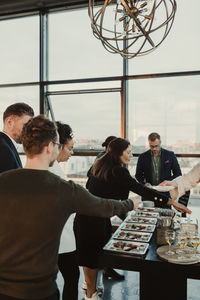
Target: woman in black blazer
pixel 109 179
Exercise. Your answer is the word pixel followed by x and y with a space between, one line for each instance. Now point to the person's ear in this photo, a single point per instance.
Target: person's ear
pixel 9 121
pixel 49 147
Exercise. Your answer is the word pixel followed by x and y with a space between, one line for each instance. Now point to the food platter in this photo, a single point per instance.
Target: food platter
pixel 150 209
pixel 135 219
pixel 148 214
pixel 138 226
pixel 125 247
pixel 136 236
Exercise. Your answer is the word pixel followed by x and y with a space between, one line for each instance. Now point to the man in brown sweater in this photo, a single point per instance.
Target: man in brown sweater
pixel 34 206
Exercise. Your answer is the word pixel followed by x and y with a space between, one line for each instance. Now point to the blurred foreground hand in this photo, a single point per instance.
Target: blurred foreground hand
pixel 136 202
pixel 180 207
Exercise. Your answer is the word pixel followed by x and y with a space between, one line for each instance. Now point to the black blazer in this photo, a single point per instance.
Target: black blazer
pixel 119 183
pixel 170 168
pixel 9 157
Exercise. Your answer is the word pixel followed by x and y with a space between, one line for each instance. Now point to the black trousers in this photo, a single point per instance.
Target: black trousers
pixel 55 296
pixel 68 266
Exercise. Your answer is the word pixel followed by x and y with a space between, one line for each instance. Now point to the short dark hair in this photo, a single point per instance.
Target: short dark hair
pixel 64 131
pixel 18 109
pixel 153 136
pixel 37 133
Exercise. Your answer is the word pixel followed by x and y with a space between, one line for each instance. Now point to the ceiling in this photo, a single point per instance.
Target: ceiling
pixel 10 7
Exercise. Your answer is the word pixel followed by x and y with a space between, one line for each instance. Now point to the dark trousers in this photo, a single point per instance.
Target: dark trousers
pixel 55 296
pixel 68 266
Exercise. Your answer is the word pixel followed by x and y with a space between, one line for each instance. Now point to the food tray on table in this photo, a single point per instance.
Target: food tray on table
pixel 138 226
pixel 135 236
pixel 148 214
pixel 125 247
pixel 150 209
pixel 134 219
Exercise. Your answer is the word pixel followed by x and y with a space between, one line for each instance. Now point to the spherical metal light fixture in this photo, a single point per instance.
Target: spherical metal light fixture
pixel 132 27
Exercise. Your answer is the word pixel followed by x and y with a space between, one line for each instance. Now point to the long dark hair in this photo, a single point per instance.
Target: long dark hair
pixel 109 160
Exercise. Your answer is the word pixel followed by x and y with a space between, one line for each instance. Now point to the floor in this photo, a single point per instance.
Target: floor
pixel 129 288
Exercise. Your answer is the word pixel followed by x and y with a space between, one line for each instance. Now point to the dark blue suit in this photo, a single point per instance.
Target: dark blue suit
pixel 9 157
pixel 170 168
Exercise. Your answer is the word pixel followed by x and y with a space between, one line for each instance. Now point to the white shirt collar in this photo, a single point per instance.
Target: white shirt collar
pixel 13 141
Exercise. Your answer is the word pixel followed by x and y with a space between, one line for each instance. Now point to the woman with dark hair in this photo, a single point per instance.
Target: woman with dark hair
pixel 109 179
pixel 67 259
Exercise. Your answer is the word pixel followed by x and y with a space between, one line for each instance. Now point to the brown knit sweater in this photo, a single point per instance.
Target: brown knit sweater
pixel 34 206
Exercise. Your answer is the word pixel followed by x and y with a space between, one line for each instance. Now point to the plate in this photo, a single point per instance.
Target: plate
pixel 136 236
pixel 146 209
pixel 138 227
pixel 145 220
pixel 147 214
pixel 125 247
pixel 161 188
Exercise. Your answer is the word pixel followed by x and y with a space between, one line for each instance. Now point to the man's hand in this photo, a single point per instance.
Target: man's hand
pixel 179 206
pixel 174 192
pixel 148 184
pixel 136 202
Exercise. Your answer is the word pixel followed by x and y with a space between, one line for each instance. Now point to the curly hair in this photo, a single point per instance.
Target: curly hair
pixel 37 133
pixel 65 132
pixel 110 160
pixel 18 109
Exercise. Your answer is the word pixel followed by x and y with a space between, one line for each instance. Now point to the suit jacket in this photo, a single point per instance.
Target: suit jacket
pixel 9 157
pixel 170 168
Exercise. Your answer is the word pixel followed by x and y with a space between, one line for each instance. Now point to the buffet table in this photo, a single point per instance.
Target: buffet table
pixel 158 279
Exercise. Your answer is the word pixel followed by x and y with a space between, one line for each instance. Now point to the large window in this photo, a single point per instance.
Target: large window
pixel 92 117
pixel 180 50
pixel 169 106
pixel 19 59
pixel 8 96
pixel 73 50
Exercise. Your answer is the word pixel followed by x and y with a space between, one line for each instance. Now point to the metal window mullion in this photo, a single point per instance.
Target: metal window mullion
pixel 44 108
pixel 124 96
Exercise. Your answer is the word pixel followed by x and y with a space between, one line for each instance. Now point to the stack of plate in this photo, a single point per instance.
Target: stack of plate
pixel 134 234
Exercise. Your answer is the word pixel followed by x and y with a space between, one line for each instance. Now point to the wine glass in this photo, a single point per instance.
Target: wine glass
pixel 190 236
pixel 195 242
pixel 169 237
pixel 182 243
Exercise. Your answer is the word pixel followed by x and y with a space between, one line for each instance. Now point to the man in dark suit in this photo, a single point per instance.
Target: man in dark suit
pixel 156 164
pixel 14 117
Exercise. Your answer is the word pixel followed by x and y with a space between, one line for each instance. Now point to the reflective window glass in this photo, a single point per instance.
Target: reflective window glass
pixel 92 117
pixel 180 50
pixel 73 50
pixel 169 106
pixel 9 96
pixel 19 59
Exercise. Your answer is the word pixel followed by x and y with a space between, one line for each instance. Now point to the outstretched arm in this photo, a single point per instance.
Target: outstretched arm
pixel 79 200
pixel 184 183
